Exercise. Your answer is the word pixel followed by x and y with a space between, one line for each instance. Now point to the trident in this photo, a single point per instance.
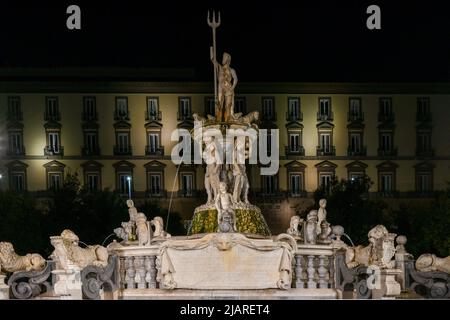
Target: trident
pixel 212 50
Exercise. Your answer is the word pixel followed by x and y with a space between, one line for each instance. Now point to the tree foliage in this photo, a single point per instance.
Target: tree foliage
pixel 21 222
pixel 152 209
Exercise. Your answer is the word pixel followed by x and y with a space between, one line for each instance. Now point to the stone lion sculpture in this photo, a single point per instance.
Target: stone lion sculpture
pixel 248 119
pixel 67 252
pixel 430 262
pixel 379 252
pixel 10 261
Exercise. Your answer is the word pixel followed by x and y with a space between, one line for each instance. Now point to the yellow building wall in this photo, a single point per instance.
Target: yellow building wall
pixel 404 108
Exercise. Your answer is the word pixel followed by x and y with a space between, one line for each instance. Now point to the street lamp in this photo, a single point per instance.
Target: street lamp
pixel 129 187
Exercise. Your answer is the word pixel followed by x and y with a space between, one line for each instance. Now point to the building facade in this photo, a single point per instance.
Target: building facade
pixel 117 135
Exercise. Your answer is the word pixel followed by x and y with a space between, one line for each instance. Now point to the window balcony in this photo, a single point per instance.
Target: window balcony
pixel 355 153
pixel 300 151
pixel 386 117
pixel 16 116
pixel 121 117
pixel 90 151
pixel 387 153
pixel 152 151
pixel 264 194
pixel 294 117
pixel 188 193
pixel 16 151
pixel 153 116
pixel 181 116
pixel 52 151
pixel 122 150
pixel 428 153
pixel 331 151
pixel 89 116
pixel 298 194
pixel 155 194
pixel 325 116
pixel 423 117
pixel 388 194
pixel 269 116
pixel 355 117
pixel 52 116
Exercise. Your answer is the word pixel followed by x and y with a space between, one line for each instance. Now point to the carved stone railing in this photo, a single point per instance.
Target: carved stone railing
pixel 30 284
pixel 137 267
pixel 429 284
pixel 314 267
pixel 94 279
pixel 349 281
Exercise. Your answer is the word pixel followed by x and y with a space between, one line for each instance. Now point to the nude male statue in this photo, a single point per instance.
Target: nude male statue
pixel 225 209
pixel 226 83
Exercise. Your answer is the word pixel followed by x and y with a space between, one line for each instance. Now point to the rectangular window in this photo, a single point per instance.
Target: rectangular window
pixel 239 105
pixel 55 181
pixel 89 108
pixel 355 142
pixel 51 108
pixel 93 181
pixel 294 108
pixel 424 182
pixel 91 141
pixel 15 142
pixel 124 183
pixel 123 142
pixel 18 181
pixel 152 108
pixel 386 142
pixel 269 185
pixel 185 107
pixel 356 176
pixel 187 184
pixel 14 109
pixel 324 107
pixel 424 142
pixel 268 108
pixel 294 142
pixel 153 142
pixel 53 142
pixel 423 105
pixel 325 142
pixel 296 183
pixel 122 108
pixel 325 181
pixel 386 106
pixel 210 107
pixel 386 181
pixel 355 108
pixel 269 143
pixel 154 184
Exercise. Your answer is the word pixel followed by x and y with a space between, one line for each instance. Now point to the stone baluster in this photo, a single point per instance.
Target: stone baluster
pixel 331 270
pixel 140 272
pixel 122 272
pixel 311 272
pixel 130 272
pixel 322 273
pixel 150 267
pixel 299 271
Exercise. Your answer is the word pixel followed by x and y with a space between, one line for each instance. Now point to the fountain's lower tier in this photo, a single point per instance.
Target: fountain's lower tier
pixel 249 220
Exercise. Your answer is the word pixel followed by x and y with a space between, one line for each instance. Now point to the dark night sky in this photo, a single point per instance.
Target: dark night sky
pixel 277 40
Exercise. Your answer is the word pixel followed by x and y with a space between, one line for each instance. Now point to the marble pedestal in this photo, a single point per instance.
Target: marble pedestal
pixel 4 288
pixel 389 287
pixel 67 284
